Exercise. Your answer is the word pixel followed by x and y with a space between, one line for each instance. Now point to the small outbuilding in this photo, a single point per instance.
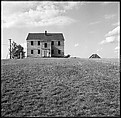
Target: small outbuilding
pixel 94 56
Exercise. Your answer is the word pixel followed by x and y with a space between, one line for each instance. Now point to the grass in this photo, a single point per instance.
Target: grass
pixel 60 87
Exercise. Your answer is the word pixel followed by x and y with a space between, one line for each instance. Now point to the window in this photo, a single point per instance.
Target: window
pixel 52 51
pixel 58 42
pixel 45 45
pixel 31 42
pixel 38 51
pixel 38 42
pixel 52 42
pixel 32 51
pixel 59 52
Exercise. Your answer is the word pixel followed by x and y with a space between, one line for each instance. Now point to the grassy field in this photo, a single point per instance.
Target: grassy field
pixel 60 87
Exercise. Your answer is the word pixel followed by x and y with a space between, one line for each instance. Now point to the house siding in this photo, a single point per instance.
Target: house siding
pixel 35 47
pixel 55 47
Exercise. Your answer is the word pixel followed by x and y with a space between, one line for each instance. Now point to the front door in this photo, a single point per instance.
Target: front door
pixel 45 53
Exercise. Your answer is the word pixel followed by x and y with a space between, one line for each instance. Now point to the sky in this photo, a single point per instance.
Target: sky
pixel 88 27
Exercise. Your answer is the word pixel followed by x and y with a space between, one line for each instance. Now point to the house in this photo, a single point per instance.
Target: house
pixel 94 56
pixel 45 45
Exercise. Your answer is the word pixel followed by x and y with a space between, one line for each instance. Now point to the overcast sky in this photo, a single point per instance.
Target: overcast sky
pixel 88 27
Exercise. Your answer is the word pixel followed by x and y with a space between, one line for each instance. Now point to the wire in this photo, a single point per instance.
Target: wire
pixel 4 44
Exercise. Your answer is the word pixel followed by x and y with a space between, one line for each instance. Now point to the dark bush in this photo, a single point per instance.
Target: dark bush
pixel 67 56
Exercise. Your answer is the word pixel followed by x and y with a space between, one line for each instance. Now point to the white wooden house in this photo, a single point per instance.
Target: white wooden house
pixel 45 45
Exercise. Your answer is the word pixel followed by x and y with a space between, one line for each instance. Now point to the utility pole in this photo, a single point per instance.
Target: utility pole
pixel 10 48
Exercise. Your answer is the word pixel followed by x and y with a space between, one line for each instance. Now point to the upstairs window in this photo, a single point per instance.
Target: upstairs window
pixel 58 42
pixel 45 45
pixel 59 52
pixel 32 43
pixel 38 42
pixel 38 51
pixel 52 43
pixel 32 51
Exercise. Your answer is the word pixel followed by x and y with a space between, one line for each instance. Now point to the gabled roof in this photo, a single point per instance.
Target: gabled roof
pixel 45 36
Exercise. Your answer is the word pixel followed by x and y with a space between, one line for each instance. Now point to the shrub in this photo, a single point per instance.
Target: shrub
pixel 67 56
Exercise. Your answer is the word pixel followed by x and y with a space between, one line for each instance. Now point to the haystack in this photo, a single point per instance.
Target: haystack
pixel 94 56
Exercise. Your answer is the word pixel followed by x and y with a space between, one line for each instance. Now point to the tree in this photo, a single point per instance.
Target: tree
pixel 17 50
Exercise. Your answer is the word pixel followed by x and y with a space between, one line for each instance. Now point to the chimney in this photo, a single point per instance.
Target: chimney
pixel 45 32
